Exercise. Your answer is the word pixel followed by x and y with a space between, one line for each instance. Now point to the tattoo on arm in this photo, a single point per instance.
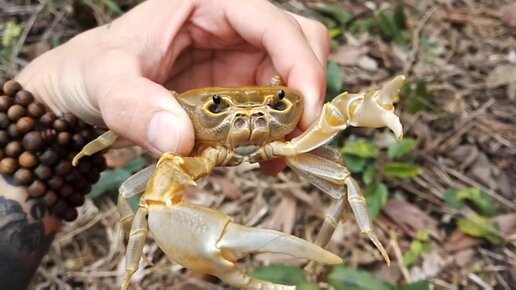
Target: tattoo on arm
pixel 23 241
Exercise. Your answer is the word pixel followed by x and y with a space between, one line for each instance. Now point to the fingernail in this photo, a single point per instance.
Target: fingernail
pixel 164 131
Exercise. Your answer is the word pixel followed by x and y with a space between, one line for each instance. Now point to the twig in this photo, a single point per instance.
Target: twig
pixel 399 257
pixel 415 39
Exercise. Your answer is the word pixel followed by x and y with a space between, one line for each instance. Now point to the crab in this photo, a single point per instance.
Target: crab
pixel 234 125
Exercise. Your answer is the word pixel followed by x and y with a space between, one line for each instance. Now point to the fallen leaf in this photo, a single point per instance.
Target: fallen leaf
pixel 459 241
pixel 229 188
pixel 347 55
pixel 284 215
pixel 464 257
pixel 506 223
pixel 503 74
pixel 410 218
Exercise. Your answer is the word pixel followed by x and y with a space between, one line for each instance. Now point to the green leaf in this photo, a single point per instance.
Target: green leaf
pixel 419 285
pixel 480 227
pixel 110 181
pixel 335 79
pixel 399 18
pixel 402 170
pixel 417 248
pixel 337 12
pixel 415 105
pixel 401 148
pixel 342 278
pixel 388 22
pixel 307 286
pixel 369 174
pixel 280 274
pixel 361 148
pixel 354 163
pixel 377 196
pixel 113 6
pixel 12 31
pixel 479 200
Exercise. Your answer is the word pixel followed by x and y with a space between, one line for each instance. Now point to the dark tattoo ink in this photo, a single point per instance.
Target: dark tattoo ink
pixel 23 242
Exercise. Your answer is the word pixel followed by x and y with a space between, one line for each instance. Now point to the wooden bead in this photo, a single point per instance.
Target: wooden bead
pixel 66 191
pixel 28 160
pixel 63 138
pixel 37 188
pixel 59 208
pixel 43 172
pixel 93 175
pixel 4 121
pixel 36 110
pixel 63 167
pixel 50 198
pixel 49 135
pixel 76 199
pixel 23 98
pixel 2 153
pixel 33 141
pixel 25 124
pixel 71 120
pixel 84 166
pixel 11 87
pixel 13 149
pixel 8 165
pixel 60 125
pixel 56 182
pixel 4 138
pixel 15 112
pixel 5 103
pixel 47 119
pixel 86 188
pixel 78 141
pixel 23 176
pixel 12 131
pixel 70 214
pixel 49 157
pixel 72 177
pixel 3 80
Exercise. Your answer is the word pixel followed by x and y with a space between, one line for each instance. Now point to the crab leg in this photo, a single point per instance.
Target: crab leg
pixel 324 170
pixel 100 143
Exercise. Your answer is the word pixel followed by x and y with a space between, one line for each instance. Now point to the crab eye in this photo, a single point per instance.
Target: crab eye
pixel 281 94
pixel 217 106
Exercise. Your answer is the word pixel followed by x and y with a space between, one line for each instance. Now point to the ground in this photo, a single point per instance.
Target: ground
pixel 444 198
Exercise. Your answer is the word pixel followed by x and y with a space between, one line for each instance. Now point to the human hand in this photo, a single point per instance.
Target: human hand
pixel 119 75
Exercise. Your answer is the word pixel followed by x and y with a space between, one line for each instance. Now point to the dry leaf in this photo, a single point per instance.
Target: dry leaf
pixel 459 241
pixel 284 215
pixel 229 188
pixel 348 55
pixel 509 14
pixel 410 218
pixel 502 75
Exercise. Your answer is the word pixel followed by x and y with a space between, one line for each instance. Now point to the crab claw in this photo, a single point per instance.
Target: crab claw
pixel 204 240
pixel 376 108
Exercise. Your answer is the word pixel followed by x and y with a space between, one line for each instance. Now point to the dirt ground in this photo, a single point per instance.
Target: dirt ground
pixel 446 201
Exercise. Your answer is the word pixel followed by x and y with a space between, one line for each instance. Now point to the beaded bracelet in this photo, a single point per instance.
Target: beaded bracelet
pixel 37 147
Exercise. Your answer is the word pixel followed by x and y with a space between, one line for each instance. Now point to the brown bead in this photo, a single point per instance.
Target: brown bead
pixel 14 149
pixel 66 191
pixel 76 199
pixel 11 87
pixel 4 138
pixel 23 98
pixel 60 125
pixel 36 110
pixel 49 157
pixel 50 198
pixel 2 153
pixel 56 182
pixel 100 162
pixel 23 176
pixel 33 141
pixel 81 185
pixel 63 167
pixel 48 119
pixel 49 135
pixel 73 177
pixel 60 207
pixel 12 131
pixel 4 121
pixel 37 188
pixel 84 166
pixel 25 124
pixel 5 103
pixel 70 214
pixel 93 175
pixel 63 138
pixel 3 80
pixel 86 188
pixel 15 112
pixel 43 172
pixel 78 141
pixel 8 165
pixel 88 134
pixel 28 160
pixel 71 120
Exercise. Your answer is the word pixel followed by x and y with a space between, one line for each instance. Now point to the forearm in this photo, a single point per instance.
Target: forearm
pixel 26 232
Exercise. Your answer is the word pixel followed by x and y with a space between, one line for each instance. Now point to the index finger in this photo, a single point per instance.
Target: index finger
pixel 264 25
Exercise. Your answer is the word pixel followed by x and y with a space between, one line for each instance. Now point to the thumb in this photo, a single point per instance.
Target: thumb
pixel 147 114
